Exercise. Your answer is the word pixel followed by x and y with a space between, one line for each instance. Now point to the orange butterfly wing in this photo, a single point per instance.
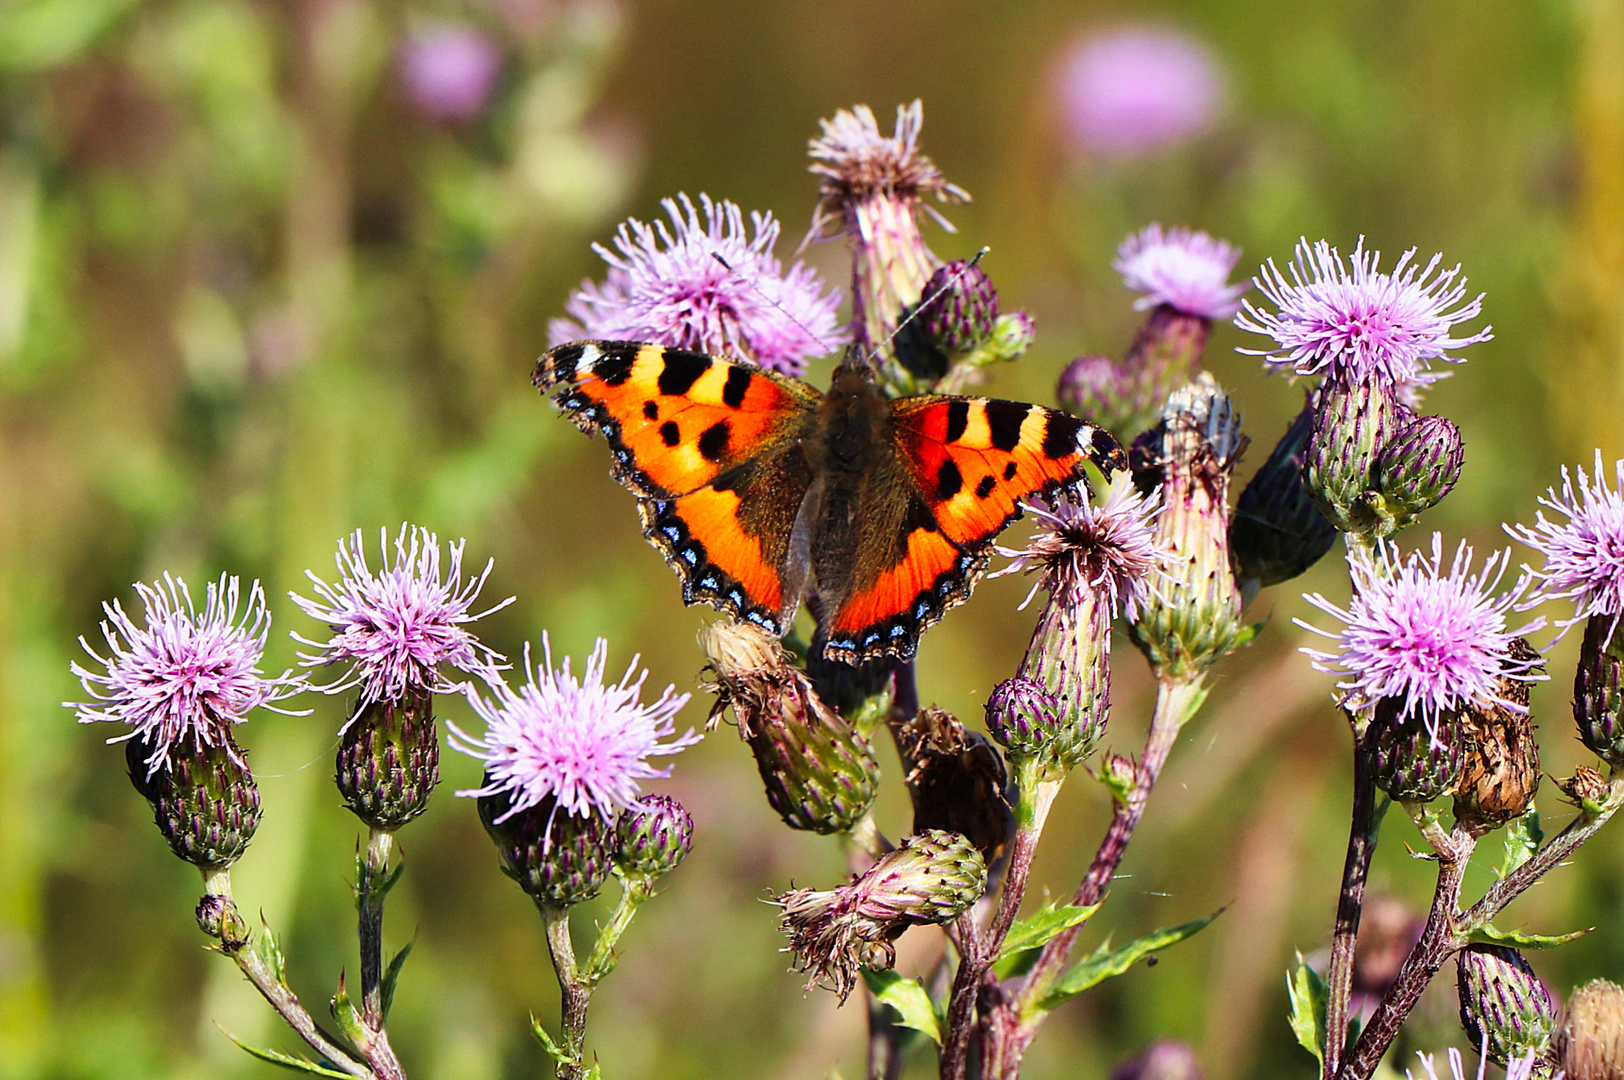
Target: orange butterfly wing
pixel 970 461
pixel 711 448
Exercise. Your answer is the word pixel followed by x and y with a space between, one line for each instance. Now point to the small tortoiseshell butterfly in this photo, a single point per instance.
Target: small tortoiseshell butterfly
pixel 755 486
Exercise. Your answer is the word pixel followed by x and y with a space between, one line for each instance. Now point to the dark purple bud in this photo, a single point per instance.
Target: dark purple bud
pixel 205 804
pixel 1411 763
pixel 1502 998
pixel 1095 388
pixel 962 316
pixel 1419 466
pixel 389 761
pixel 653 838
pixel 1598 688
pixel 558 858
pixel 1022 716
pixel 1351 425
pixel 1278 532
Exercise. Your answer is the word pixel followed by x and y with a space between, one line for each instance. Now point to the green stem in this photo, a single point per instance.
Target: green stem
pixel 635 889
pixel 576 992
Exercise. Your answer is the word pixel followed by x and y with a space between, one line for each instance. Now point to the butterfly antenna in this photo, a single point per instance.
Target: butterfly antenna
pixel 926 302
pixel 782 310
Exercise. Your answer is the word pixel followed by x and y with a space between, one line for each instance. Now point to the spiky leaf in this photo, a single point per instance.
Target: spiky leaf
pixel 910 1000
pixel 1308 994
pixel 1106 963
pixel 1030 934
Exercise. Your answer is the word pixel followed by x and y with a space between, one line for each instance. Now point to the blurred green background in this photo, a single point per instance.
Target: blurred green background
pixel 252 298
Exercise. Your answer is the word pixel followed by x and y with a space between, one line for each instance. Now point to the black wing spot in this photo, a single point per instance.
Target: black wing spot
pixel 615 366
pixel 682 369
pixel 1107 451
pixel 563 359
pixel 1004 419
pixel 1009 470
pixel 984 488
pixel 948 480
pixel 958 418
pixel 651 410
pixel 713 441
pixel 738 381
pixel 1060 436
pixel 670 433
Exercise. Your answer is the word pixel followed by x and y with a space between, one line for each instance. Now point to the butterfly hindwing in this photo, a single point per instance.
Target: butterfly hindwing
pixel 711 447
pixel 674 419
pixel 967 463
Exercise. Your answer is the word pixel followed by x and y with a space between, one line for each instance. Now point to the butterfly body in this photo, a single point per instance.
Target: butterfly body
pixel 756 487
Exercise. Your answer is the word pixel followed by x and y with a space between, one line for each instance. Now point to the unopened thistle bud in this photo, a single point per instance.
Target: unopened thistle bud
pixel 957 781
pixel 217 916
pixel 1193 614
pixel 1411 763
pixel 933 877
pixel 1352 423
pixel 1417 467
pixel 1499 774
pixel 1097 388
pixel 654 837
pixel 1590 1038
pixel 963 310
pixel 205 803
pixel 819 773
pixel 389 761
pixel 560 859
pixel 1278 532
pixel 1503 1000
pixel 1598 688
pixel 1022 716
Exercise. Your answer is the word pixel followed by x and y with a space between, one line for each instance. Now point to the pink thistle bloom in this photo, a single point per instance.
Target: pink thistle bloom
pixel 1109 550
pixel 665 285
pixel 397 626
pixel 1435 638
pixel 1354 322
pixel 1187 271
pixel 580 742
pixel 448 70
pixel 1519 1068
pixel 1132 91
pixel 858 163
pixel 1584 556
pixel 185 673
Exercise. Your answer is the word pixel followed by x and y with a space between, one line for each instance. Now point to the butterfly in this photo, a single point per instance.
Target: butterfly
pixel 755 486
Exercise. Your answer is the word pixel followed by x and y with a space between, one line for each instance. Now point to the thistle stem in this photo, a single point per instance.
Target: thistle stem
pixel 634 890
pixel 1349 908
pixel 575 990
pixel 370 890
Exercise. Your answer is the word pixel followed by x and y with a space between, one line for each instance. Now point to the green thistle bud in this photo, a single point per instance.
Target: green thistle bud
pixel 559 859
pixel 1409 764
pixel 1499 774
pixel 217 917
pixel 1193 615
pixel 957 781
pixel 1022 717
pixel 1351 425
pixel 389 761
pixel 819 773
pixel 1013 332
pixel 1502 998
pixel 205 802
pixel 1590 1038
pixel 933 877
pixel 1094 387
pixel 1417 467
pixel 1278 532
pixel 1598 688
pixel 653 838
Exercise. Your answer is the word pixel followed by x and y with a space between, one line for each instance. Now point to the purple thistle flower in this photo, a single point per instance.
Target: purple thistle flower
pixel 666 285
pixel 185 673
pixel 1131 91
pixel 1354 322
pixel 1525 1067
pixel 448 70
pixel 396 627
pixel 1435 638
pixel 580 742
pixel 1187 271
pixel 1584 556
pixel 857 163
pixel 1109 550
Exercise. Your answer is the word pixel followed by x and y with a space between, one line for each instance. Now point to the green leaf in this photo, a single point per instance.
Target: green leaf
pixel 386 986
pixel 1308 993
pixel 1105 963
pixel 1488 935
pixel 909 998
pixel 1523 837
pixel 287 1061
pixel 270 952
pixel 1249 633
pixel 346 1016
pixel 1030 934
pixel 559 1055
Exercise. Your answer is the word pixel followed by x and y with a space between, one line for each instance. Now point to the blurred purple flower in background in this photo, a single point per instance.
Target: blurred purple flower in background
pixel 448 70
pixel 666 285
pixel 1138 89
pixel 1187 271
pixel 1584 555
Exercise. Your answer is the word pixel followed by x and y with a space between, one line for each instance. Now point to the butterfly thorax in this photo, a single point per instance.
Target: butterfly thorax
pixel 852 420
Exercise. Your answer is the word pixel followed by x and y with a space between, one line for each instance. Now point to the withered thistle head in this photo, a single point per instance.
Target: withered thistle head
pixel 957 781
pixel 931 878
pixel 1590 1037
pixel 1499 774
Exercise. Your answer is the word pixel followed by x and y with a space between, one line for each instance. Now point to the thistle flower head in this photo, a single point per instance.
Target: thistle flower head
pixel 1349 320
pixel 711 286
pixel 1526 1067
pixel 184 673
pixel 1138 89
pixel 396 627
pixel 1187 271
pixel 1433 637
pixel 1584 555
pixel 1109 550
pixel 579 741
pixel 855 162
pixel 448 70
